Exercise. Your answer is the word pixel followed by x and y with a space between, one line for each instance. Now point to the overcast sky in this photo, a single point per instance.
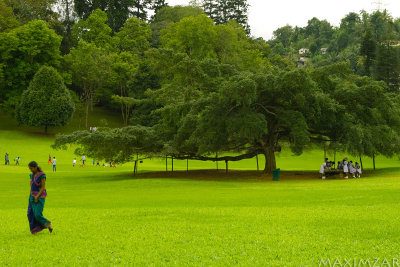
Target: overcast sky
pixel 267 15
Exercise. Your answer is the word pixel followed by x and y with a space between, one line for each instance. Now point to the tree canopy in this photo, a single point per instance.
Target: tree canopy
pixel 47 102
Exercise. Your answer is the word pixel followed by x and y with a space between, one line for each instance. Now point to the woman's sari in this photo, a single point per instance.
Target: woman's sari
pixel 37 222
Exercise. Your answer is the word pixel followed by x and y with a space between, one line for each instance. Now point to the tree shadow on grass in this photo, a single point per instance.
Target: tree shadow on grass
pixel 219 176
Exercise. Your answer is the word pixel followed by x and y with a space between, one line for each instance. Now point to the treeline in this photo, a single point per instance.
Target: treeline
pixel 190 87
pixel 370 43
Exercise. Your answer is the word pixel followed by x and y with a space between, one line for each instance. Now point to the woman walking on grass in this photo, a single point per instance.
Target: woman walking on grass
pixel 37 222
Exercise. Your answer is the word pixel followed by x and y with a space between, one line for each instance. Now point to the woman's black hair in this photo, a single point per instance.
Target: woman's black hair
pixel 34 164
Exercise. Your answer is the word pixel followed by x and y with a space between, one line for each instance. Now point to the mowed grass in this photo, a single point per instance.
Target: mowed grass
pixel 105 216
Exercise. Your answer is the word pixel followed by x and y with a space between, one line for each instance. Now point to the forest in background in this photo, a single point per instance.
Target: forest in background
pixel 191 81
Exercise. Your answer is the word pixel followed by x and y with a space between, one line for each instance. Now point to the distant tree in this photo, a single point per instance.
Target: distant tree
pixel 127 104
pixel 140 9
pixel 68 18
pixel 118 11
pixel 134 36
pixel 168 15
pixel 388 66
pixel 194 36
pixel 47 102
pixel 222 11
pixel 94 30
pixel 210 7
pixel 23 51
pixel 124 69
pixel 90 68
pixel 368 50
pixel 7 18
pixel 28 10
pixel 156 5
pixel 284 35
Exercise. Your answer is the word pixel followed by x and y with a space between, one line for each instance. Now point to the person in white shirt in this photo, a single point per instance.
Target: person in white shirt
pixel 358 170
pixel 54 164
pixel 322 170
pixel 74 162
pixel 352 169
pixel 83 159
pixel 346 168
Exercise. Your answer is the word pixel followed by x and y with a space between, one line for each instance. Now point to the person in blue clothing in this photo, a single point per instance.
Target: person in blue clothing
pixel 54 164
pixel 7 159
pixel 37 196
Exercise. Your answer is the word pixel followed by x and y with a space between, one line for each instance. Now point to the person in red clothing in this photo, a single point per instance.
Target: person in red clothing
pixel 49 161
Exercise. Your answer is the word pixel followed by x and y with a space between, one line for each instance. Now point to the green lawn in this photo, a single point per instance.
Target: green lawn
pixel 106 216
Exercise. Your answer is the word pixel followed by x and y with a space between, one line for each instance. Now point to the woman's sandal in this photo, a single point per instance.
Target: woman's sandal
pixel 48 226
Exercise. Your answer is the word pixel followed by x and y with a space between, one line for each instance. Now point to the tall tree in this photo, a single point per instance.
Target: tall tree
pixel 368 50
pixel 23 51
pixel 168 15
pixel 47 102
pixel 28 10
pixel 156 5
pixel 7 18
pixel 140 9
pixel 388 66
pixel 222 11
pixel 90 67
pixel 68 18
pixel 94 30
pixel 118 11
pixel 134 36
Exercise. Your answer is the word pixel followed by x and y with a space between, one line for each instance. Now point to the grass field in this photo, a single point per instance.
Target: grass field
pixel 105 216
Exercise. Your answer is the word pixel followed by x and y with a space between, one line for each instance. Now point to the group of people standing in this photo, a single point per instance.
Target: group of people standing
pixel 349 168
pixel 345 166
pixel 7 159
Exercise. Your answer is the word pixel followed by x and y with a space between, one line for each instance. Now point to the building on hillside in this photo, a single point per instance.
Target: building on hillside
pixel 302 61
pixel 324 50
pixel 304 51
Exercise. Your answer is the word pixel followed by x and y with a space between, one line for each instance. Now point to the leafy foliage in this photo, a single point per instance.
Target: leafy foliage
pixel 47 102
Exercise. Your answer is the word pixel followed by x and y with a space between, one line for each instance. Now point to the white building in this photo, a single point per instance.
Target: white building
pixel 304 51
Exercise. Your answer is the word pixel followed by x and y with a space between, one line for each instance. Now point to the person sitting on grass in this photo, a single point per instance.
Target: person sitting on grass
pixel 346 168
pixel 358 170
pixel 322 170
pixel 340 165
pixel 37 222
pixel 98 163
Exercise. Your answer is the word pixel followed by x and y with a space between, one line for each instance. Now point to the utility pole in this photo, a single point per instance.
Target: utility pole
pixel 378 5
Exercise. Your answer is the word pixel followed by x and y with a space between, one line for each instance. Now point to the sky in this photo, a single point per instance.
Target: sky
pixel 265 16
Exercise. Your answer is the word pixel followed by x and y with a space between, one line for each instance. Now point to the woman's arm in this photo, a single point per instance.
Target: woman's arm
pixel 42 188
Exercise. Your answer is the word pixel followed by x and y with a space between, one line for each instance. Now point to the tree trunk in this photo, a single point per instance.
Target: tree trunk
pixel 334 158
pixel 216 156
pixel 172 164
pixel 270 161
pixel 373 160
pixel 87 114
pixel 258 168
pixel 187 165
pixel 362 168
pixel 134 168
pixel 226 166
pixel 166 163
